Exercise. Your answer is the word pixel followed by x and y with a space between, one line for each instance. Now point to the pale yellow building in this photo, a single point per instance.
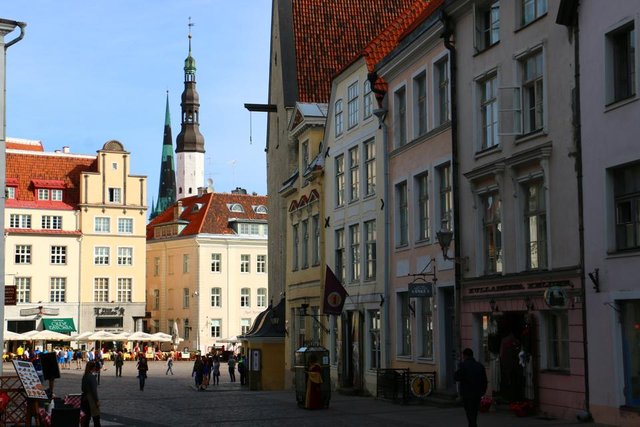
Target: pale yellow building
pixel 53 200
pixel 305 236
pixel 207 268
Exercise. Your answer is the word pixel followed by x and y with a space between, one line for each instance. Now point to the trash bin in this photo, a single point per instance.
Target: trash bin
pixel 302 356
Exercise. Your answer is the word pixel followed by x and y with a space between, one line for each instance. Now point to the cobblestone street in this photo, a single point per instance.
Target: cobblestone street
pixel 173 401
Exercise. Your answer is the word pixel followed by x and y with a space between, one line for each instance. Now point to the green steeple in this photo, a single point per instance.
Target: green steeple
pixel 167 184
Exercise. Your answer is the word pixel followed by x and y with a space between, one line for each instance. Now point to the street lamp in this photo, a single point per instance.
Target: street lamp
pixel 6 27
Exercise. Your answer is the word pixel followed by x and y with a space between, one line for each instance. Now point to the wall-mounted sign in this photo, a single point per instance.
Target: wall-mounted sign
pixel 421 290
pixel 39 311
pixel 556 297
pixel 255 360
pixel 421 385
pixel 518 287
pixel 10 296
pixel 108 311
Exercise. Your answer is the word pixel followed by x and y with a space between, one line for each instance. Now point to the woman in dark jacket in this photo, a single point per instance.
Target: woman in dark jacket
pixel 142 370
pixel 90 404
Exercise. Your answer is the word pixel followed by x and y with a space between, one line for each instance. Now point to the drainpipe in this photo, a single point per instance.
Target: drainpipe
pixel 577 139
pixel 6 27
pixel 446 36
pixel 381 114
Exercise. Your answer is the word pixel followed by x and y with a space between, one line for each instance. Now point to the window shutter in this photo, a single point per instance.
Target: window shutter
pixel 510 110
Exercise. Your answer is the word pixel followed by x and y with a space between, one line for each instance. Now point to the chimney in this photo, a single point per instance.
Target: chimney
pixel 65 149
pixel 239 190
pixel 202 191
pixel 177 210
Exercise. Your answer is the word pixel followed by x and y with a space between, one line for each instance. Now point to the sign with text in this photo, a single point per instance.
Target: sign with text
pixel 421 290
pixel 30 379
pixel 10 296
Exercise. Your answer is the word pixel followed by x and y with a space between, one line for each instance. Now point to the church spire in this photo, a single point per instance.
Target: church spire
pixel 167 183
pixel 190 142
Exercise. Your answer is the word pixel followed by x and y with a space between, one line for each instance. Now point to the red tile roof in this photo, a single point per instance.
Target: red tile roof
pixel 52 232
pixel 329 34
pixel 25 168
pixel 388 39
pixel 23 144
pixel 209 213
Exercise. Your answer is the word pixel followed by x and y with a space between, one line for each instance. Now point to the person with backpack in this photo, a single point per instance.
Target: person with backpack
pixel 143 367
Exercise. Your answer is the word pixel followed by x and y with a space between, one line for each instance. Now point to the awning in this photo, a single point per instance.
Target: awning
pixel 59 325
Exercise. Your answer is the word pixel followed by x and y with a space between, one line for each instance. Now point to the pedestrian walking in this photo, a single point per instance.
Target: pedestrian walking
pixel 206 372
pixel 232 367
pixel 143 367
pixel 197 372
pixel 89 402
pixel 473 384
pixel 99 361
pixel 215 370
pixel 169 365
pixel 118 363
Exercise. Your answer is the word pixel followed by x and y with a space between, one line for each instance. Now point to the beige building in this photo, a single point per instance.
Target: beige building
pixel 302 193
pixel 74 239
pixel 207 268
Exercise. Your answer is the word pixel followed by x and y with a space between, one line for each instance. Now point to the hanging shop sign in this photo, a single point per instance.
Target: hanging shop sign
pixel 422 385
pixel 421 290
pixel 39 311
pixel 556 297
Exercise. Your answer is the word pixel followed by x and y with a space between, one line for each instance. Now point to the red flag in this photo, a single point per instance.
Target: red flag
pixel 334 294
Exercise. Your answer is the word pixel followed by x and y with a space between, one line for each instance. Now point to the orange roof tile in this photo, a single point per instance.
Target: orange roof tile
pixel 24 168
pixel 329 34
pixel 388 39
pixel 209 213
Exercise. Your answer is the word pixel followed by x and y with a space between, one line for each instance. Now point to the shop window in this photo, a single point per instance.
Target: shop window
pixel 630 318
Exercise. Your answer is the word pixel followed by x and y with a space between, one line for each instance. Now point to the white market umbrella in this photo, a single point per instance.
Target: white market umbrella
pixel 102 336
pixel 14 336
pixel 46 335
pixel 122 336
pixel 82 337
pixel 230 340
pixel 161 337
pixel 140 336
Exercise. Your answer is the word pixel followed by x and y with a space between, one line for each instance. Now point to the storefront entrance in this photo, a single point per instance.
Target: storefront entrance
pixel 351 354
pixel 510 346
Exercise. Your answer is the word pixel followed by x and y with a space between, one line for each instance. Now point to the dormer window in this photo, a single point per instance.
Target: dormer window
pixel 196 207
pixel 235 207
pixel 48 189
pixel 10 192
pixel 43 194
pixel 260 209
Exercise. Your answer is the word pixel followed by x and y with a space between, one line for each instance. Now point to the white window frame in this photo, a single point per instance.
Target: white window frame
pixel 441 91
pixel 422 209
pixel 355 256
pixel 101 255
pixel 402 214
pixel 51 222
pixel 340 180
pixel 23 254
pixel 216 263
pixel 245 325
pixel 488 111
pixel 354 173
pixel 58 255
pixel 628 27
pixel 338 114
pixel 23 289
pixel 245 263
pixel 370 241
pixel 19 221
pixel 400 116
pixel 261 299
pixel 487 20
pixel 367 99
pixel 420 103
pixel 245 297
pixel 216 328
pixel 340 262
pixel 216 297
pixel 102 224
pixel 125 255
pixel 43 194
pixel 538 8
pixel 124 289
pixel 56 195
pixel 369 151
pixel 352 105
pixel 186 295
pixel 114 195
pixel 101 289
pixel 57 289
pixel 125 225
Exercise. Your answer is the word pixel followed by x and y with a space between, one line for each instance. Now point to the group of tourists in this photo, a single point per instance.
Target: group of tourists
pixel 206 370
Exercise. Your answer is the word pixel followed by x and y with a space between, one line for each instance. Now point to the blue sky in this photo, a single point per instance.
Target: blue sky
pixel 91 71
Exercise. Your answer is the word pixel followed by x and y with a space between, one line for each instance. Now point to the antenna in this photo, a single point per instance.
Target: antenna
pixel 191 24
